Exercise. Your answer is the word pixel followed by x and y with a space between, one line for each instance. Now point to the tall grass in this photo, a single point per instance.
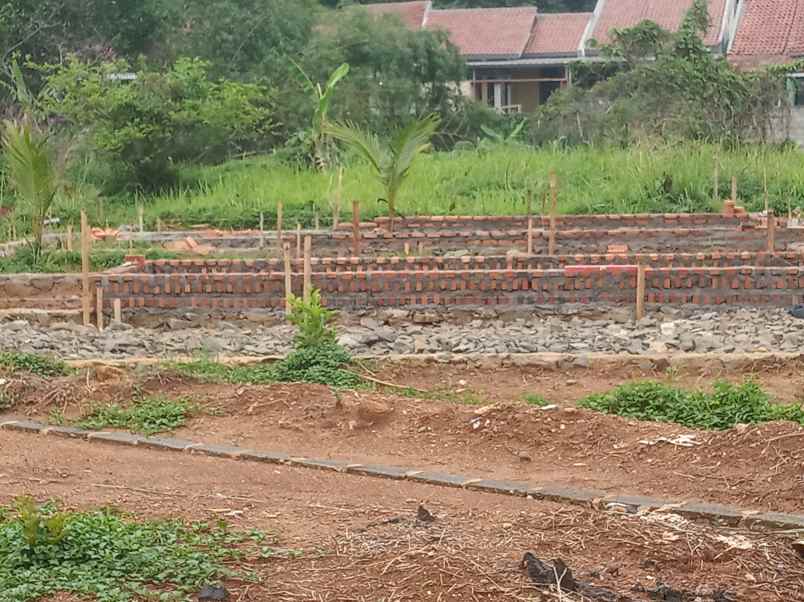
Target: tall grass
pixel 665 178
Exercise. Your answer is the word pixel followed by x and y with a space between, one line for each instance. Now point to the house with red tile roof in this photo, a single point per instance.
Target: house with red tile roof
pixel 517 57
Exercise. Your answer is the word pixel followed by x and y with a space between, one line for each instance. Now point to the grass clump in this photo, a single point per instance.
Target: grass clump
pixel 110 558
pixel 209 371
pixel 32 363
pixel 727 406
pixel 148 416
pixel 534 399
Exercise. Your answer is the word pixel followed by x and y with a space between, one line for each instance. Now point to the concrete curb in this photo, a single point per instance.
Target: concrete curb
pixel 628 504
pixel 556 361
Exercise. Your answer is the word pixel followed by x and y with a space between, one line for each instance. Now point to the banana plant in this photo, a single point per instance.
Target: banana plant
pixel 322 99
pixel 390 160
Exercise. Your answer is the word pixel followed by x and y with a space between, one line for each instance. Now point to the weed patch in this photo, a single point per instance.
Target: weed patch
pixel 35 364
pixel 534 399
pixel 110 558
pixel 147 416
pixel 727 406
pixel 208 371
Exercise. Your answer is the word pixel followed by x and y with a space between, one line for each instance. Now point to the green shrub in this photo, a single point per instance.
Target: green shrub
pixel 102 556
pixel 35 364
pixel 148 416
pixel 322 364
pixel 312 321
pixel 725 407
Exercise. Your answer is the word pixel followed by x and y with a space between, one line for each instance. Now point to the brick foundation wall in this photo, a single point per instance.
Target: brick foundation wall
pixel 498 262
pixel 41 291
pixel 356 290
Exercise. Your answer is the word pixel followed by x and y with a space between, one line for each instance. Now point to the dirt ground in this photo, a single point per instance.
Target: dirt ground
pixel 360 540
pixel 753 467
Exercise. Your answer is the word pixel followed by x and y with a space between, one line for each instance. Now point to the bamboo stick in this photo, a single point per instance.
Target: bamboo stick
pixel 308 269
pixel 99 306
pixel 298 242
pixel 279 225
pixel 69 241
pixel 85 293
pixel 118 310
pixel 640 293
pixel 262 230
pixel 288 278
pixel 771 231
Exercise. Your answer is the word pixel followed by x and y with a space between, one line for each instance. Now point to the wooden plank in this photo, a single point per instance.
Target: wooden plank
pixel 551 246
pixel 640 293
pixel 99 306
pixel 356 228
pixel 86 301
pixel 118 310
pixel 288 277
pixel 308 269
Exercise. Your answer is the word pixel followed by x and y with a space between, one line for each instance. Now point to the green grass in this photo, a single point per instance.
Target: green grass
pixel 148 416
pixel 659 178
pixel 726 406
pixel 208 371
pixel 534 399
pixel 108 557
pixel 40 365
pixel 60 261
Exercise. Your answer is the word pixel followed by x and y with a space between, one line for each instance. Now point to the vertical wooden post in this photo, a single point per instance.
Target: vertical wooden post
pixel 765 186
pixel 355 228
pixel 99 306
pixel 69 241
pixel 419 249
pixel 288 277
pixel 316 223
pixel 85 293
pixel 336 209
pixel 716 184
pixel 553 208
pixel 308 268
pixel 262 230
pixel 734 189
pixel 118 310
pixel 298 242
pixel 141 217
pixel 771 231
pixel 407 249
pixel 158 224
pixel 530 222
pixel 640 292
pixel 279 225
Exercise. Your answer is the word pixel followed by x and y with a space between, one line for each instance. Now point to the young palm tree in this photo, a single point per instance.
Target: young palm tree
pixel 322 99
pixel 390 161
pixel 32 172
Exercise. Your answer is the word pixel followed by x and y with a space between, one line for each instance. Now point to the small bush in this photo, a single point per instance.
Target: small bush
pixel 312 321
pixel 35 364
pixel 725 407
pixel 102 556
pixel 322 364
pixel 147 416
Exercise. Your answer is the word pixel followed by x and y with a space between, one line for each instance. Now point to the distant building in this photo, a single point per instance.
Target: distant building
pixel 519 56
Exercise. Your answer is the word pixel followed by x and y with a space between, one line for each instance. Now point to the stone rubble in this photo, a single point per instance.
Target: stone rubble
pixel 735 330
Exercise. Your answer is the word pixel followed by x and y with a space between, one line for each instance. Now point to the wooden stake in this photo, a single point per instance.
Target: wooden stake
pixel 118 310
pixel 336 209
pixel 141 218
pixel 298 241
pixel 640 293
pixel 69 241
pixel 316 224
pixel 734 189
pixel 407 249
pixel 420 249
pixel 86 301
pixel 530 222
pixel 279 225
pixel 99 307
pixel 308 268
pixel 355 228
pixel 765 184
pixel 262 230
pixel 771 231
pixel 551 247
pixel 158 224
pixel 716 186
pixel 288 278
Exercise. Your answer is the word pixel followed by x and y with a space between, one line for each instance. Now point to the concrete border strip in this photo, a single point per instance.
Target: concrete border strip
pixel 627 504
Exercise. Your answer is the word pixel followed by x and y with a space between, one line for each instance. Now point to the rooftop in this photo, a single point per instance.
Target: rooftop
pixel 486 32
pixel 769 32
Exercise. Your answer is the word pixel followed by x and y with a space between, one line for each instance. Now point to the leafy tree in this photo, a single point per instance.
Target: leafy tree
pixel 147 125
pixel 391 161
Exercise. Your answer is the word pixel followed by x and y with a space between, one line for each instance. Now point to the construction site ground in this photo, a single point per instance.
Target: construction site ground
pixel 358 538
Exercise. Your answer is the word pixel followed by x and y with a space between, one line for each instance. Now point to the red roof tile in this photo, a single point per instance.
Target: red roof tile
pixel 618 14
pixel 769 31
pixel 557 34
pixel 486 32
pixel 411 13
